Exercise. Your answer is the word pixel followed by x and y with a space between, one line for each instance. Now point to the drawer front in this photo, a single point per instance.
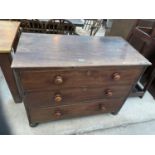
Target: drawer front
pixel 56 113
pixel 49 79
pixel 71 96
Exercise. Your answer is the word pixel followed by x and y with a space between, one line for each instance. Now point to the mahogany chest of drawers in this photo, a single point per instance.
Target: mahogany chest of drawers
pixel 69 76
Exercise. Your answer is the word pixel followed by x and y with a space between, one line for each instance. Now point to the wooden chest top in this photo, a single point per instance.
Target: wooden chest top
pixel 8 30
pixel 47 50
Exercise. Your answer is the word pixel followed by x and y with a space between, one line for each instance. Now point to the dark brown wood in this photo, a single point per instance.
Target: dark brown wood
pixel 108 92
pixel 142 38
pixel 39 25
pixel 15 44
pixel 56 113
pixel 8 31
pixel 34 25
pixel 150 79
pixel 58 80
pixel 59 26
pixel 52 26
pixel 68 76
pixel 74 95
pixel 120 27
pixel 45 79
pixel 116 76
pixel 74 51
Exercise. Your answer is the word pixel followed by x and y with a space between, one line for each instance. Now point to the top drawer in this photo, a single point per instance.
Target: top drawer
pixel 46 79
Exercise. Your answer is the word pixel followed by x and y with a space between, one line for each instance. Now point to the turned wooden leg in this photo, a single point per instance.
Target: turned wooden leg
pixel 5 63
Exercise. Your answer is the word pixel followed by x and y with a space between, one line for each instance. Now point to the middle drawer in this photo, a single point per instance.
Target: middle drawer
pixel 71 96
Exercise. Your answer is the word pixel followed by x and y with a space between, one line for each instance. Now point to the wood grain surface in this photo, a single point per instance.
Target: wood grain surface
pixel 57 113
pixel 40 80
pixel 71 96
pixel 68 76
pixel 47 50
pixel 8 31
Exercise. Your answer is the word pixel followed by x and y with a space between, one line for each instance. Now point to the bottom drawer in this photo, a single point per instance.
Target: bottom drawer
pixel 54 113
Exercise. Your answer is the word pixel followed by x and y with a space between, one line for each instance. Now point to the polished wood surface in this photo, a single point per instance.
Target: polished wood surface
pixel 47 50
pixel 8 31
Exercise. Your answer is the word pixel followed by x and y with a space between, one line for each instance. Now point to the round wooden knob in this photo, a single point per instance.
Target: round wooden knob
pixel 58 80
pixel 116 76
pixel 58 98
pixel 58 114
pixel 108 93
pixel 102 108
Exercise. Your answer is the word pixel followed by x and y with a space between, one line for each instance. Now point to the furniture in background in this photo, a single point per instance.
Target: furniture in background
pixel 60 26
pixel 93 25
pixel 33 25
pixel 120 27
pixel 96 26
pixel 8 31
pixel 53 26
pixel 151 87
pixel 63 76
pixel 142 38
pixel 139 33
pixel 75 22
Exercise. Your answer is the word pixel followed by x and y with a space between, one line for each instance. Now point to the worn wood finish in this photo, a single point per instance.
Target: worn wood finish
pixel 8 31
pixel 68 76
pixel 141 38
pixel 56 113
pixel 74 51
pixel 72 78
pixel 76 95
